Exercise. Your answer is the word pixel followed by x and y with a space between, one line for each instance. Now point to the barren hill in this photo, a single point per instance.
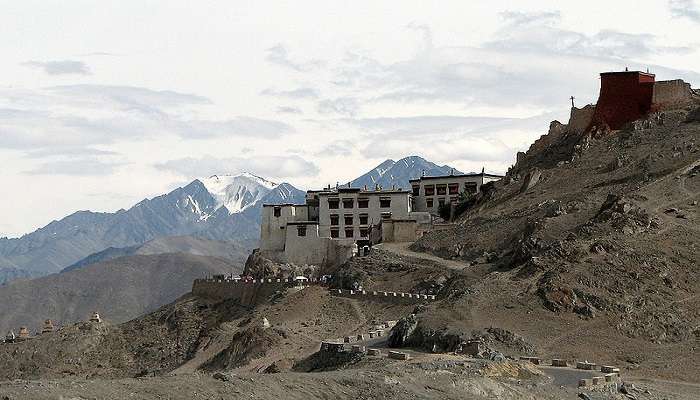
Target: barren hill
pixel 120 289
pixel 592 243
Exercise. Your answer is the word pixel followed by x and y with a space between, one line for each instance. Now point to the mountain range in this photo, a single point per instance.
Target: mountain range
pixel 219 208
pixel 199 209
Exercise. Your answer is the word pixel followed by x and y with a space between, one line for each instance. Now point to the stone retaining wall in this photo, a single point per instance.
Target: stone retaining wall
pixel 247 293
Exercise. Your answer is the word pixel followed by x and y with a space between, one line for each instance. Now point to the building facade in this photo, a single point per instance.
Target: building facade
pixel 626 96
pixel 429 193
pixel 348 213
pixel 332 223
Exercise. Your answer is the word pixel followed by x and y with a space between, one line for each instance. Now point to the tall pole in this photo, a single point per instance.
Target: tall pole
pixel 572 101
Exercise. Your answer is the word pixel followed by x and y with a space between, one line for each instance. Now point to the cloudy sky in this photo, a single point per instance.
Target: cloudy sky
pixel 105 103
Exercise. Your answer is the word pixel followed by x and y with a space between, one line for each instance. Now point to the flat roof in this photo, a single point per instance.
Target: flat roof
pixel 364 192
pixel 423 178
pixel 627 72
pixel 283 205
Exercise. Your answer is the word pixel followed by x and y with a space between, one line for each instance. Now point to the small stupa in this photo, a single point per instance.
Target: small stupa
pixel 96 317
pixel 23 333
pixel 48 327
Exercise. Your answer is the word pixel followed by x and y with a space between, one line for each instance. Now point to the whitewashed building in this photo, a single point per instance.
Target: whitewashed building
pixel 431 192
pixel 334 222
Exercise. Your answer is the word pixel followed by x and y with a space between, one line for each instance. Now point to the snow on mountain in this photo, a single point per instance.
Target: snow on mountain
pixel 237 192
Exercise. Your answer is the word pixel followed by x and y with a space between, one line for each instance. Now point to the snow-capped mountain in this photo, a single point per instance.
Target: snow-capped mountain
pixel 237 192
pixel 223 207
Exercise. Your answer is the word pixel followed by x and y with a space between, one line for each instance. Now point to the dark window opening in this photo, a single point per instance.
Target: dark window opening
pixel 348 203
pixel 429 203
pixel 385 203
pixel 430 190
pixel 349 232
pixel 453 188
pixel 441 190
pixel 348 220
pixel 364 219
pixel 441 202
pixel 278 211
pixel 335 233
pixel 416 190
pixel 364 233
pixel 386 215
pixel 335 219
pixel 363 203
pixel 301 230
pixel 333 204
pixel 470 188
pixel 454 199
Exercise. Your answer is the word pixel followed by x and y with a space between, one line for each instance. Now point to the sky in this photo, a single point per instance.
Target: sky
pixel 103 104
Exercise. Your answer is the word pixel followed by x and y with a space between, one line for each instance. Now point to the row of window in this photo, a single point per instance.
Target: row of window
pixel 429 202
pixel 349 219
pixel 443 189
pixel 349 233
pixel 334 204
pixel 335 232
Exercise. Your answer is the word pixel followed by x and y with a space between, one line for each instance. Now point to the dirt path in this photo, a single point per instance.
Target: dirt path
pixel 403 250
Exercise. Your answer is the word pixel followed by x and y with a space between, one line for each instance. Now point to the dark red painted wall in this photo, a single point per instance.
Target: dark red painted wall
pixel 624 97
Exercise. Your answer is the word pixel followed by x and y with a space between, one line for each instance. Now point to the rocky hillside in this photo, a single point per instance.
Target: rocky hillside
pixel 120 289
pixel 595 237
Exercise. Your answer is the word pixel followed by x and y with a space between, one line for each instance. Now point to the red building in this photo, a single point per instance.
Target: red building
pixel 624 97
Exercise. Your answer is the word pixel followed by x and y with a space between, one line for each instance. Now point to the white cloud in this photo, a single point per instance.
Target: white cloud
pixel 685 9
pixel 274 167
pixel 279 55
pixel 65 67
pixel 300 93
pixel 76 167
pixel 79 115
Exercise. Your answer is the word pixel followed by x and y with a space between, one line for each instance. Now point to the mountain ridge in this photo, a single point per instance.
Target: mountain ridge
pixel 220 207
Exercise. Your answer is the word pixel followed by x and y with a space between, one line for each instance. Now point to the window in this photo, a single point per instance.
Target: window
pixel 334 219
pixel 453 188
pixel 333 204
pixel 386 215
pixel 364 232
pixel 301 230
pixel 416 190
pixel 385 202
pixel 335 233
pixel 441 190
pixel 441 202
pixel 470 187
pixel 364 219
pixel 348 203
pixel 429 203
pixel 363 203
pixel 348 220
pixel 278 211
pixel 349 232
pixel 430 190
pixel 454 199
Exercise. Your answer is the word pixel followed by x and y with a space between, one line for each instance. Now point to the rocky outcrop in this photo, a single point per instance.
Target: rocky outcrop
pixel 259 267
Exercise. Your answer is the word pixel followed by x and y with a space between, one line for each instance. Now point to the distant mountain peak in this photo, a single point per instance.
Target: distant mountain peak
pixel 237 192
pixel 397 173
